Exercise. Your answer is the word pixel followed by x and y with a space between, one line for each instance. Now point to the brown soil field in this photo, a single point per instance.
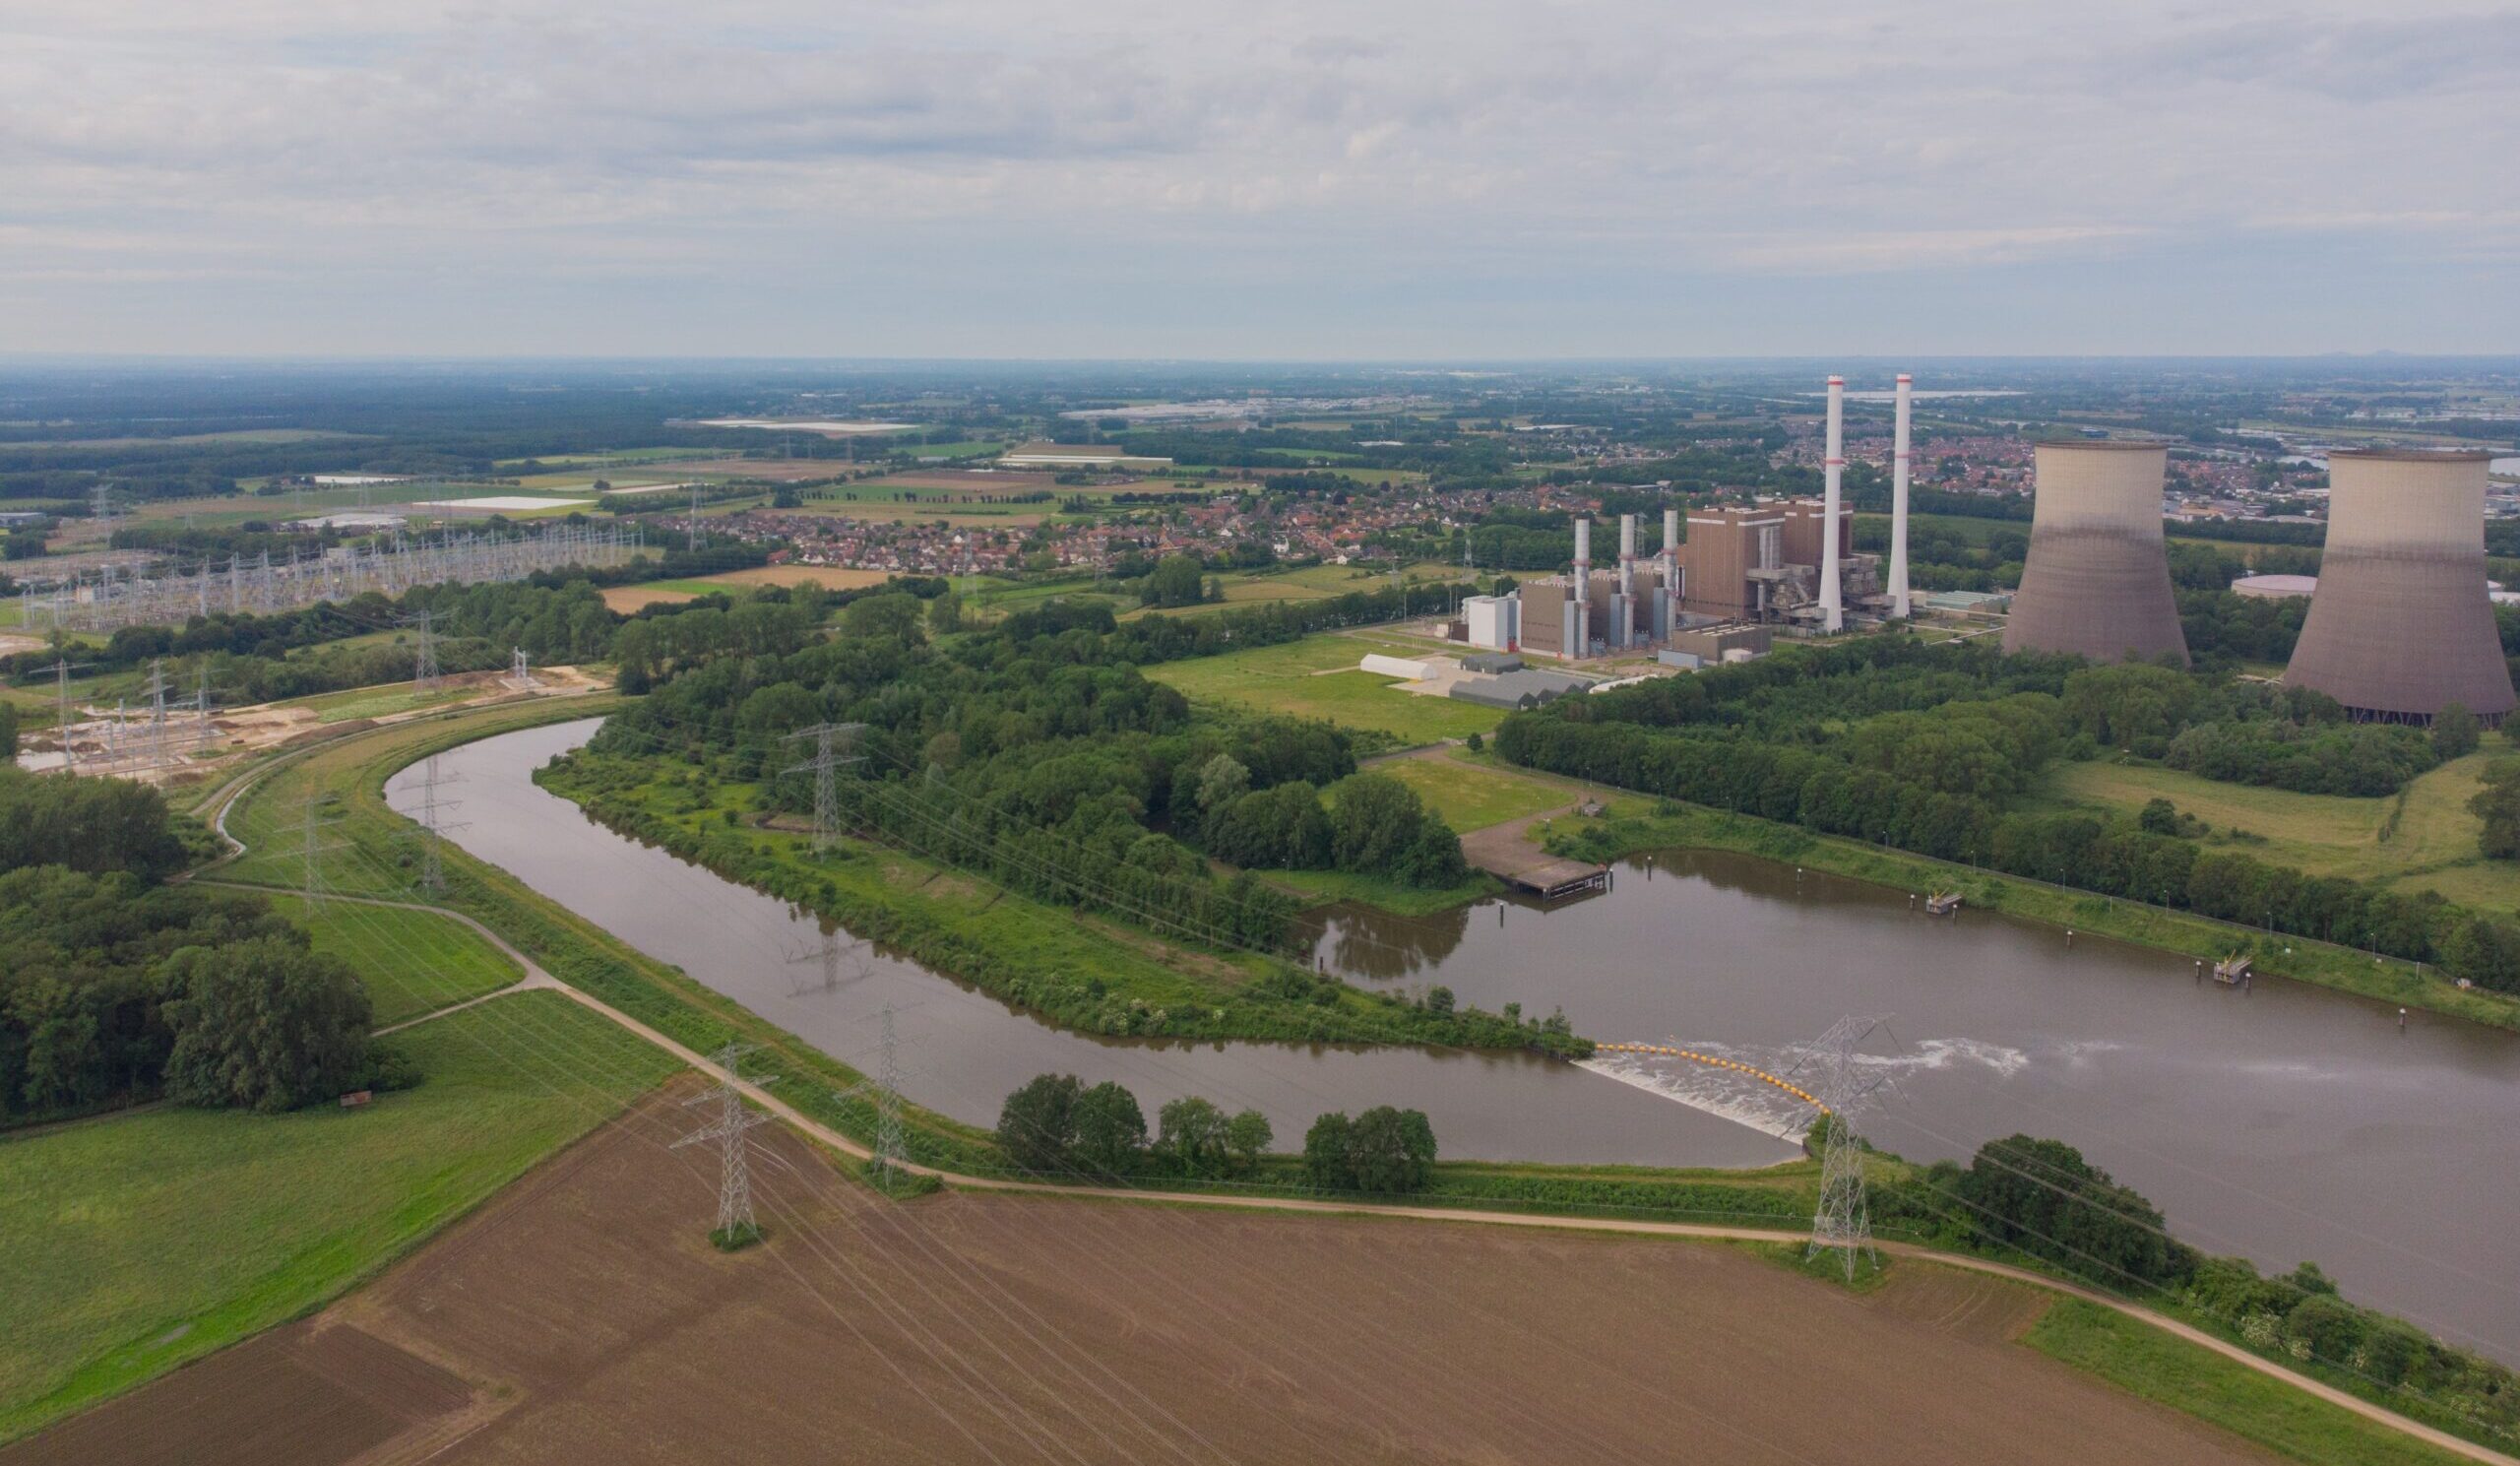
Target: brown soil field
pixel 629 599
pixel 583 1317
pixel 829 577
pixel 774 469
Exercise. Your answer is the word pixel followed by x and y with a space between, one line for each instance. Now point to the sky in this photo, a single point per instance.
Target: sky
pixel 1286 179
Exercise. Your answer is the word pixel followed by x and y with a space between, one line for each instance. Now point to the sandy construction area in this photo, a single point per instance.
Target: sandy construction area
pixel 582 1317
pixel 628 599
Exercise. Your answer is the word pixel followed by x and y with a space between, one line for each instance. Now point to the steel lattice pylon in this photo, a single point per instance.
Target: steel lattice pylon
pixel 1841 1220
pixel 731 1130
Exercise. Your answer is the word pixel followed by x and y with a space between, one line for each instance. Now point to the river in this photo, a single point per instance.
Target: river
pixel 2279 1122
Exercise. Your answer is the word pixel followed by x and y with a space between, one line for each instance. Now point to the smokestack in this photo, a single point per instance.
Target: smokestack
pixel 1583 551
pixel 1898 504
pixel 1831 616
pixel 2097 579
pixel 2400 623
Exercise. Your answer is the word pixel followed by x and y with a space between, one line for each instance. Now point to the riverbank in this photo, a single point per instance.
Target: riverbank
pixel 584 955
pixel 1084 971
pixel 1635 824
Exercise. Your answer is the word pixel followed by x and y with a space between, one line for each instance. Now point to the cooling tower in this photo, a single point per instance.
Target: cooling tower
pixel 2096 580
pixel 2400 623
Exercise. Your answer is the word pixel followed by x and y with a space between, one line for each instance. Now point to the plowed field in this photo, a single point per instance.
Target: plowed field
pixel 583 1317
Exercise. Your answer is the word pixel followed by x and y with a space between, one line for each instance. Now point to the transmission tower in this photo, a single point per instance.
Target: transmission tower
pixel 424 655
pixel 433 825
pixel 735 1223
pixel 1841 1220
pixel 311 825
pixel 157 712
pixel 886 1088
pixel 61 668
pixel 521 674
pixel 828 738
pixel 695 517
pixel 101 503
pixel 203 734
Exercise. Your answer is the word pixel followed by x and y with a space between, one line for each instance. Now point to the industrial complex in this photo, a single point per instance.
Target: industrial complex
pixel 1776 562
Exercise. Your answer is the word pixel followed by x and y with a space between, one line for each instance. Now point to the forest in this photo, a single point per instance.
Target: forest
pixel 116 988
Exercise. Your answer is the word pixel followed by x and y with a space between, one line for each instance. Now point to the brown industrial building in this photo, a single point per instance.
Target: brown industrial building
pixel 2400 625
pixel 1762 561
pixel 2097 578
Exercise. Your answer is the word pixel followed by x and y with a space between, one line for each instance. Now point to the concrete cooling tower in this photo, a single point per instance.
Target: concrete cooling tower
pixel 2096 580
pixel 2400 623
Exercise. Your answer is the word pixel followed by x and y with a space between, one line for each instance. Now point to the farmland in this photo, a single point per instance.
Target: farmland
pixel 198 1228
pixel 578 1304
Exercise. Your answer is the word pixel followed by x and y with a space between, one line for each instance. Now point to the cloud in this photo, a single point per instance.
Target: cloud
pixel 1468 143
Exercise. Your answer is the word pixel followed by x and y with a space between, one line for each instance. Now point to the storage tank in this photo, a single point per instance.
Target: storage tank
pixel 2097 579
pixel 2400 624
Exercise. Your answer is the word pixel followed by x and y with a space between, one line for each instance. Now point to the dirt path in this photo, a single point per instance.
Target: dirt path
pixel 845 1144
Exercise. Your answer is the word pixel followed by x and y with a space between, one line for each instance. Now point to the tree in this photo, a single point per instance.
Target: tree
pixel 1375 820
pixel 889 617
pixel 1110 1129
pixel 1439 999
pixel 1247 1135
pixel 262 1025
pixel 8 730
pixel 1037 1126
pixel 1179 581
pixel 1325 1153
pixel 1222 780
pixel 945 615
pixel 1390 1151
pixel 2498 804
pixel 2454 731
pixel 2160 817
pixel 1191 1132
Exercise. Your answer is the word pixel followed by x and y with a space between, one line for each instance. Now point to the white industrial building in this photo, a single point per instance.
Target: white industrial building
pixel 1494 622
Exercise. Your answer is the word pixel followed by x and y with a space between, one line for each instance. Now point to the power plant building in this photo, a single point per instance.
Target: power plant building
pixel 2097 579
pixel 2400 624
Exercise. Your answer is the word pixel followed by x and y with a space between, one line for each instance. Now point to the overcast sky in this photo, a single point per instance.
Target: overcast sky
pixel 1290 181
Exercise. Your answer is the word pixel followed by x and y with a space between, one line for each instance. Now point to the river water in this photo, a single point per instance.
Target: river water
pixel 2280 1123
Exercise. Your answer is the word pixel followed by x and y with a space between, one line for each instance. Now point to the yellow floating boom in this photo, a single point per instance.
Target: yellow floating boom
pixel 1709 1060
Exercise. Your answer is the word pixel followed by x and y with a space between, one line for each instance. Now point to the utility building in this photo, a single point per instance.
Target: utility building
pixel 2097 579
pixel 2400 624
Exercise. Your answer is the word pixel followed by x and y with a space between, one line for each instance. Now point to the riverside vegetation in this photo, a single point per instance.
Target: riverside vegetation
pixel 1034 755
pixel 1933 749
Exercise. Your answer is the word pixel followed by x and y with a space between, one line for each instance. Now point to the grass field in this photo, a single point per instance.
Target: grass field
pixel 410 962
pixel 1472 796
pixel 1303 678
pixel 2148 1362
pixel 377 702
pixel 2431 846
pixel 193 1228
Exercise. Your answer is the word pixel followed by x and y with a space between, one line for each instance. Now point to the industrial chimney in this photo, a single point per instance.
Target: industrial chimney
pixel 2096 580
pixel 2400 623
pixel 1667 618
pixel 1833 618
pixel 1898 504
pixel 1623 604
